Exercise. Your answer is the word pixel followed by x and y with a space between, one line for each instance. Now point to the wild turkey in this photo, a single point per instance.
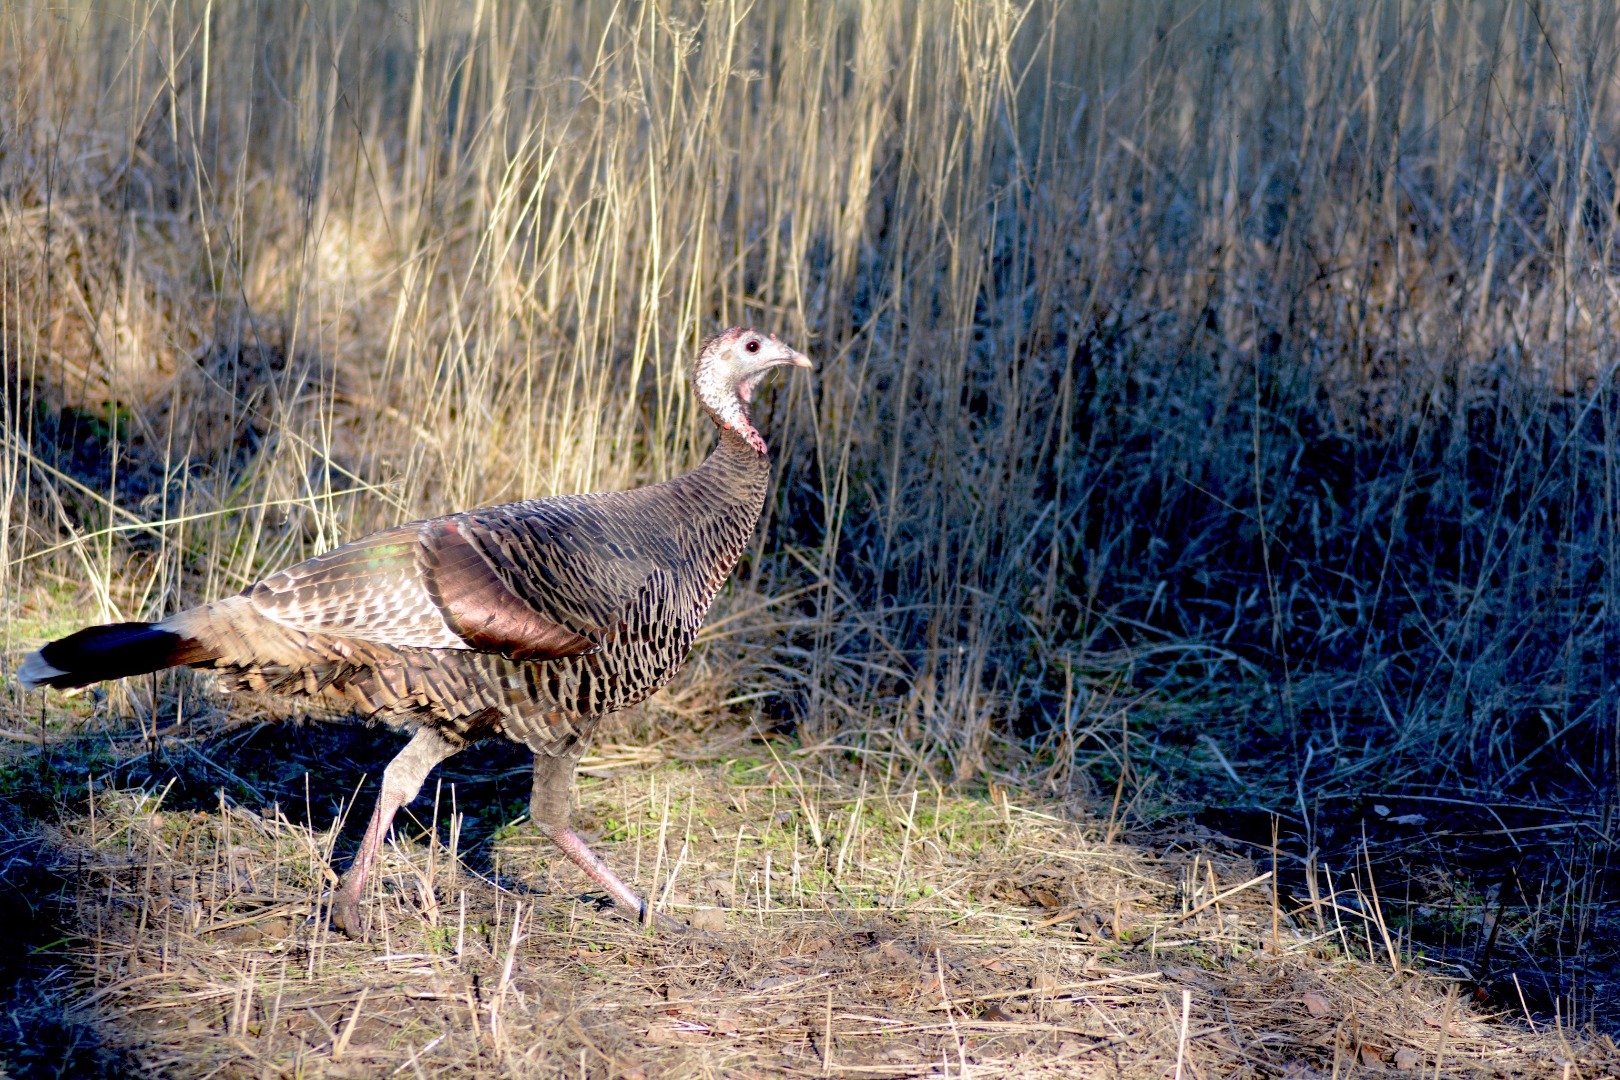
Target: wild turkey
pixel 532 620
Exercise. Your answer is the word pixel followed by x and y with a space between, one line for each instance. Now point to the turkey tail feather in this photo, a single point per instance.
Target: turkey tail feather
pixel 113 651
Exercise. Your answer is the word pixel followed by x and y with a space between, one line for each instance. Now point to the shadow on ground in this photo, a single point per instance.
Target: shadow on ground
pixel 864 922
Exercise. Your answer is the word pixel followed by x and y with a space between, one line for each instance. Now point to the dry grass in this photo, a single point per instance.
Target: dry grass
pixel 873 926
pixel 1215 414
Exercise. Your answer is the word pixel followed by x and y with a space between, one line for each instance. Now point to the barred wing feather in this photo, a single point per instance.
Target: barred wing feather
pixel 370 589
pixel 577 560
pixel 535 580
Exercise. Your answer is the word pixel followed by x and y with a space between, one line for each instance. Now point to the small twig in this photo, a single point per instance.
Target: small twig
pixel 1062 916
pixel 1218 897
pixel 1445 1026
pixel 950 1013
pixel 32 738
pixel 1276 930
pixel 1525 1006
pixel 1215 748
pixel 342 1043
pixel 1378 909
pixel 1124 771
pixel 827 1043
pixel 411 1063
pixel 1181 1043
pixel 1064 988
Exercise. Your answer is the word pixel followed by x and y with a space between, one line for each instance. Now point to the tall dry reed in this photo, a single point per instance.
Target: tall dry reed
pixel 1248 365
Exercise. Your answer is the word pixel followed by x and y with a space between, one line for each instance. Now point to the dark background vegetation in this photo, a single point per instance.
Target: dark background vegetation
pixel 1215 405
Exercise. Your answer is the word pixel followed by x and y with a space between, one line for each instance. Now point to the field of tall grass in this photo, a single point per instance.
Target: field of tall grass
pixel 1215 414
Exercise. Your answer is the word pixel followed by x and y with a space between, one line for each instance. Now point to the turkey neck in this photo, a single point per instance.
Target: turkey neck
pixel 732 480
pixel 733 461
pixel 721 501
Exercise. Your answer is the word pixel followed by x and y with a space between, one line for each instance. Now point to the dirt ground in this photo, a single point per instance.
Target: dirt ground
pixel 854 919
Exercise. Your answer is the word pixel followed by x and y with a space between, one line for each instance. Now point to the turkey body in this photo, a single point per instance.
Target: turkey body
pixel 530 620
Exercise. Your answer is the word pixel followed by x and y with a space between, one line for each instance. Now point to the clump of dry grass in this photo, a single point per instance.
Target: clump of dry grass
pixel 871 926
pixel 1215 409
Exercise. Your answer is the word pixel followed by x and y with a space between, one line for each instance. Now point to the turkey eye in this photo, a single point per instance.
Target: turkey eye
pixel 752 346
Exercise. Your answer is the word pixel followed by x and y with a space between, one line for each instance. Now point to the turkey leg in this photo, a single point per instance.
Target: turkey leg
pixel 548 809
pixel 402 781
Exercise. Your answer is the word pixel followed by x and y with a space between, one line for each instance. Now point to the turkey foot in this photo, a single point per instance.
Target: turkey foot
pixel 402 782
pixel 548 809
pixel 346 909
pixel 626 899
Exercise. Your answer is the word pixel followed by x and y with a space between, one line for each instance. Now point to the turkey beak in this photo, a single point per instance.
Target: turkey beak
pixel 798 359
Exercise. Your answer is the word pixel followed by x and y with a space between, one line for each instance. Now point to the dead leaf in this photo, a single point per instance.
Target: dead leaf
pixel 275 929
pixel 1317 1005
pixel 677 1034
pixel 891 990
pixel 1044 897
pixel 709 918
pixel 1408 1059
pixel 793 947
pixel 1372 1057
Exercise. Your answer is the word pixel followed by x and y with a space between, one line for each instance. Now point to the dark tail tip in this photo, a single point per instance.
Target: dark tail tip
pixel 113 651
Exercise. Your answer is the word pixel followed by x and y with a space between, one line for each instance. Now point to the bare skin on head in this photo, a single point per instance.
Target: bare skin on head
pixel 530 621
